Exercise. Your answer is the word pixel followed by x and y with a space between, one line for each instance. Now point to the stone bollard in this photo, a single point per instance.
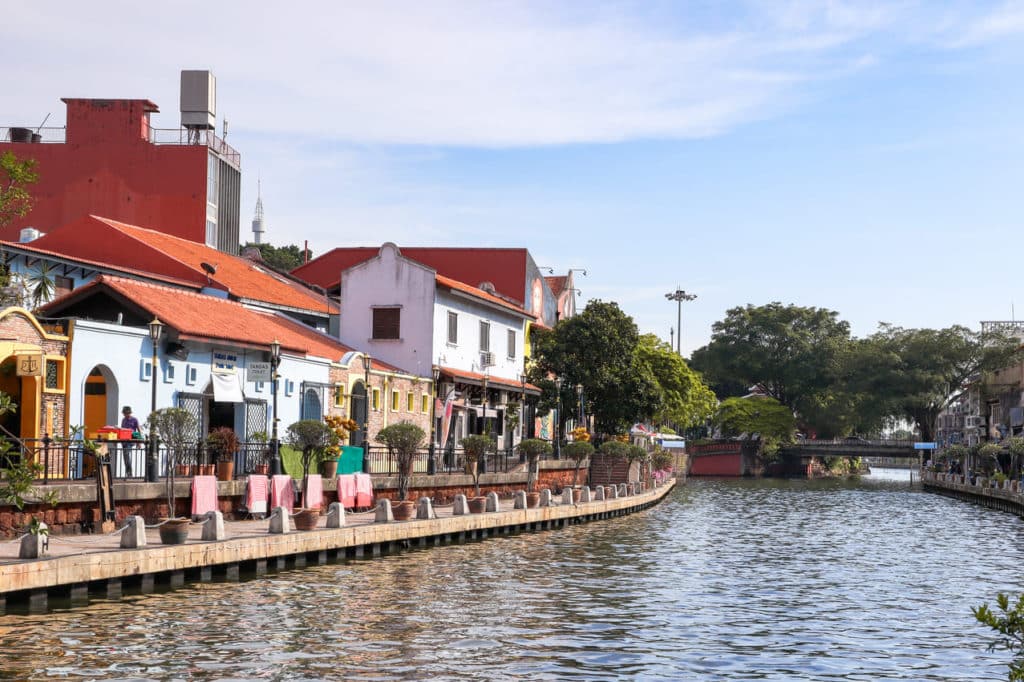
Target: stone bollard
pixel 567 496
pixel 636 487
pixel 599 493
pixel 519 499
pixel 613 492
pixel 335 515
pixel 213 528
pixel 493 503
pixel 280 521
pixel 460 506
pixel 585 495
pixel 425 509
pixel 34 546
pixel 545 498
pixel 623 490
pixel 134 534
pixel 383 514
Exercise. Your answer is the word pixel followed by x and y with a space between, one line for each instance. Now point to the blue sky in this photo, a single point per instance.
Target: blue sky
pixel 864 157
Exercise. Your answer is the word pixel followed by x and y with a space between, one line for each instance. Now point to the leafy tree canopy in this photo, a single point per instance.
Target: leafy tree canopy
pixel 788 352
pixel 285 258
pixel 15 176
pixel 760 415
pixel 683 397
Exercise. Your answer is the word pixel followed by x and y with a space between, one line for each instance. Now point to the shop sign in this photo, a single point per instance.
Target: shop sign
pixel 259 371
pixel 224 360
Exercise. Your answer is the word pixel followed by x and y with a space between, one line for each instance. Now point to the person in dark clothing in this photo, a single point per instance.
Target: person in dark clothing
pixel 128 422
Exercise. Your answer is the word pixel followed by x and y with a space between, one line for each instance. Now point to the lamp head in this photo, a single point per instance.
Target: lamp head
pixel 275 349
pixel 156 327
pixel 579 389
pixel 367 362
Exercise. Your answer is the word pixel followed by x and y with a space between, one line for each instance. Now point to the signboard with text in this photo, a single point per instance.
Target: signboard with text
pixel 258 371
pixel 224 360
pixel 926 446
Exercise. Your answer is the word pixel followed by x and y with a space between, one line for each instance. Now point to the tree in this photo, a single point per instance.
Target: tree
pixel 596 350
pixel 759 415
pixel 917 373
pixel 577 451
pixel 175 427
pixel 533 448
pixel 476 448
pixel 683 397
pixel 313 438
pixel 787 352
pixel 285 258
pixel 403 440
pixel 15 176
pixel 1009 623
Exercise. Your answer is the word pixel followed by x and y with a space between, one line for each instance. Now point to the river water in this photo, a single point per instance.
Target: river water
pixel 868 579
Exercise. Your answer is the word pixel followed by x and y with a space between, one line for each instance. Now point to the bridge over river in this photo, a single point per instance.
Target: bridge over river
pixel 855 447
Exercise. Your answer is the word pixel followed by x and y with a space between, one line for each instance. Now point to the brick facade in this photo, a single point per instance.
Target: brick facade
pixel 384 384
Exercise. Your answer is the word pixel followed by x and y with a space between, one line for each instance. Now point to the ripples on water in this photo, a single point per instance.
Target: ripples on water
pixel 726 580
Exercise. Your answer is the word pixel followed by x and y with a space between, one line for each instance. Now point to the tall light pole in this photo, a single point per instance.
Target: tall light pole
pixel 679 296
pixel 156 328
pixel 483 421
pixel 522 413
pixel 367 363
pixel 579 399
pixel 275 444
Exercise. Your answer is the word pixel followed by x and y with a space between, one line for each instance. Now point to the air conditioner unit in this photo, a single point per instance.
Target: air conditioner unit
pixel 487 359
pixel 973 422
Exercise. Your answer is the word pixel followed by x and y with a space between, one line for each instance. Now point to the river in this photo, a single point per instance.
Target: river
pixel 867 579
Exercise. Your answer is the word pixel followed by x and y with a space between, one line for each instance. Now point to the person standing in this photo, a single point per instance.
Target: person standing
pixel 128 422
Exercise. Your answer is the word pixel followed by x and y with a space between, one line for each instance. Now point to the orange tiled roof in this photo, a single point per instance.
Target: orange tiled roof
pixel 122 245
pixel 481 294
pixel 476 378
pixel 200 316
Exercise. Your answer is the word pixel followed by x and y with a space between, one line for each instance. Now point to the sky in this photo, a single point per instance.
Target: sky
pixel 863 157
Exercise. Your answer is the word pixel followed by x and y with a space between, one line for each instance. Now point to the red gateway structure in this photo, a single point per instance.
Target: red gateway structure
pixel 111 161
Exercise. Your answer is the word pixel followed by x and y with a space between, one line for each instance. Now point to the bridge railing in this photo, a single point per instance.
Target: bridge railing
pixel 855 442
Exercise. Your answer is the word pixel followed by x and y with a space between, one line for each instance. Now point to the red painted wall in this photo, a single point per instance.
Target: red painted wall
pixel 716 465
pixel 108 168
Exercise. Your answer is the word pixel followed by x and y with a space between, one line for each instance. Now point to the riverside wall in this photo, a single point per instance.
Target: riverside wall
pixel 1007 496
pixel 80 574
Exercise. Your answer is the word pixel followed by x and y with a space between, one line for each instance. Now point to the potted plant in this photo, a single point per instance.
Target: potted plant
pixel 532 449
pixel 404 440
pixel 578 451
pixel 222 444
pixel 261 465
pixel 475 449
pixel 342 427
pixel 175 427
pixel 638 455
pixel 313 437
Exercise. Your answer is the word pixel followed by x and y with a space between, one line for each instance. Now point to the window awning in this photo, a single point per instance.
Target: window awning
pixel 226 388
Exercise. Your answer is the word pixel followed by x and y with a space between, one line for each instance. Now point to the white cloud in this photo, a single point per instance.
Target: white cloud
pixel 1007 21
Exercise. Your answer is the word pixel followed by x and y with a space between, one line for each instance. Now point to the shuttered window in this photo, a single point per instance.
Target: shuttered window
pixel 386 323
pixel 511 343
pixel 453 328
pixel 485 337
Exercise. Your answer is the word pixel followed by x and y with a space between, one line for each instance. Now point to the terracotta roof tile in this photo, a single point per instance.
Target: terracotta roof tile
pixel 481 294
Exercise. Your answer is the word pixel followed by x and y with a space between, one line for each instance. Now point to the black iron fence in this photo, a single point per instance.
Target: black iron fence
pixel 446 461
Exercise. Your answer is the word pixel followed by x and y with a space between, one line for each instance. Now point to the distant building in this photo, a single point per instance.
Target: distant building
pixel 110 160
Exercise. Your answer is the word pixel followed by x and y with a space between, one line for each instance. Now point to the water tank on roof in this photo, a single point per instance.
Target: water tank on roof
pixel 29 234
pixel 198 100
pixel 21 135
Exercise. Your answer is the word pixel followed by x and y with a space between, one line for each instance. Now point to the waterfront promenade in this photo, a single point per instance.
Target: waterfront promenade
pixel 1007 496
pixel 77 566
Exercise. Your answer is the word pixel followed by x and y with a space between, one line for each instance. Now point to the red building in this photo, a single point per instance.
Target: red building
pixel 111 161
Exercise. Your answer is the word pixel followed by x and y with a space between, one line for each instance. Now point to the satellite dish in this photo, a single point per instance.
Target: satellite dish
pixel 209 269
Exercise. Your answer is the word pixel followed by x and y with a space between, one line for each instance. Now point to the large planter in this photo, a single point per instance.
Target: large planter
pixel 306 519
pixel 207 469
pixel 403 510
pixel 329 469
pixel 225 471
pixel 477 505
pixel 532 500
pixel 577 495
pixel 174 531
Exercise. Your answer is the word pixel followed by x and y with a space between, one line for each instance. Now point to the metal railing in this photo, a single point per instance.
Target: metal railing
pixel 186 137
pixel 446 461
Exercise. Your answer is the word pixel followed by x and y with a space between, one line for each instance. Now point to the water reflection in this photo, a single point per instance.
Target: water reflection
pixel 727 580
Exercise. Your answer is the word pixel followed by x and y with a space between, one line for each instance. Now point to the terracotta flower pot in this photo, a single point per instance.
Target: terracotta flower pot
pixel 329 469
pixel 174 531
pixel 225 471
pixel 403 510
pixel 261 469
pixel 477 505
pixel 532 500
pixel 306 519
pixel 577 495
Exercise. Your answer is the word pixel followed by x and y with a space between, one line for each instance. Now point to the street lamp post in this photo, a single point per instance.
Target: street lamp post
pixel 156 328
pixel 679 296
pixel 558 419
pixel 431 453
pixel 522 414
pixel 579 401
pixel 275 445
pixel 367 363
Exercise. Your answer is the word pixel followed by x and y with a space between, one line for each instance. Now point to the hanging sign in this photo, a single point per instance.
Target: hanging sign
pixel 30 365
